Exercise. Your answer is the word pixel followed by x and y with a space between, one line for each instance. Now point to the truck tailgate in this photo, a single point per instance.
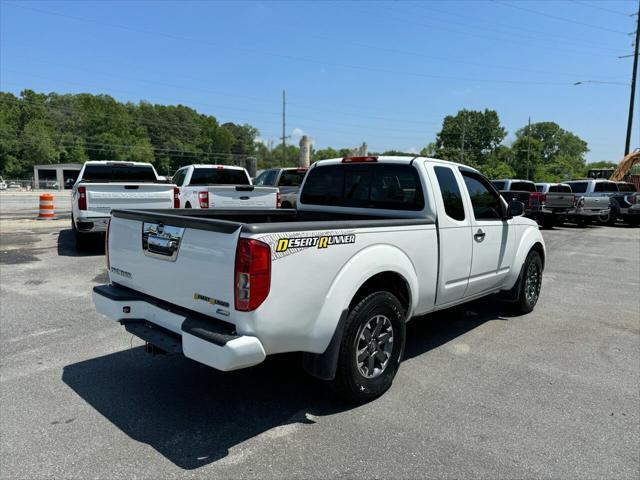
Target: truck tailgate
pixel 170 258
pixel 243 196
pixel 559 200
pixel 103 197
pixel 596 202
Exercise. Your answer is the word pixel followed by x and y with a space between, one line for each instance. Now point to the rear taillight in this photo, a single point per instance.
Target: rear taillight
pixel 278 203
pixel 252 274
pixel 579 202
pixel 82 198
pixel 176 197
pixel 106 245
pixel 631 199
pixel 203 199
pixel 537 199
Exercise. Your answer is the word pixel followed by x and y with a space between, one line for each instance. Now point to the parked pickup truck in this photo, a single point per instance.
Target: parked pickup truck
pixel 593 201
pixel 374 242
pixel 222 187
pixel 102 186
pixel 547 208
pixel 627 203
pixel 288 181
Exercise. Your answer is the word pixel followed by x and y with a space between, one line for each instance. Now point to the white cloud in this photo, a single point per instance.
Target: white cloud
pixel 297 133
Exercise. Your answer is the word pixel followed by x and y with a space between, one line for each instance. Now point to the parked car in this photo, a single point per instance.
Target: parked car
pixel 336 279
pixel 608 192
pixel 3 185
pixel 288 181
pixel 548 209
pixel 628 203
pixel 558 198
pixel 103 185
pixel 222 187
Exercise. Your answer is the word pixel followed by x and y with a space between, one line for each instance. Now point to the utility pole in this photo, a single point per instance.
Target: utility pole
pixel 464 127
pixel 284 128
pixel 634 76
pixel 528 145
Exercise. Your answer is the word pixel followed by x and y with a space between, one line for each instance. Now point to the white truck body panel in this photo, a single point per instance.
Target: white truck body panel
pixel 241 195
pixel 442 261
pixel 101 198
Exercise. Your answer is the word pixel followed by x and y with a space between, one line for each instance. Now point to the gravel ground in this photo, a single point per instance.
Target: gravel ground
pixel 552 394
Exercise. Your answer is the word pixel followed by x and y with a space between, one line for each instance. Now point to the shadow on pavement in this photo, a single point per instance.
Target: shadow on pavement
pixel 193 414
pixel 67 244
pixel 436 329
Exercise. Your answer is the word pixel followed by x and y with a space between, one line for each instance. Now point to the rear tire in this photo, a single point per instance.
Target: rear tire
pixel 187 205
pixel 371 348
pixel 530 283
pixel 80 239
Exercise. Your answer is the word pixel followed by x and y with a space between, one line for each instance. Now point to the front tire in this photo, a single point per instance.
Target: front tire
pixel 530 283
pixel 371 348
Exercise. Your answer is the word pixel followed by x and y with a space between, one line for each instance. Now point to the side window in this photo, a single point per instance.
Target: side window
pixel 270 178
pixel 451 197
pixel 261 178
pixel 540 188
pixel 178 178
pixel 605 187
pixel 486 205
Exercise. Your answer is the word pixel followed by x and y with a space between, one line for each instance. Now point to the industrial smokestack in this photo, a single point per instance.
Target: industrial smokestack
pixel 305 151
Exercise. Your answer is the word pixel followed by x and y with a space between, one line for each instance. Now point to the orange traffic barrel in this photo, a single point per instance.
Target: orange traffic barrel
pixel 46 207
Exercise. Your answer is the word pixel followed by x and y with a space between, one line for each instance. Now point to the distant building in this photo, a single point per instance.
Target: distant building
pixel 59 176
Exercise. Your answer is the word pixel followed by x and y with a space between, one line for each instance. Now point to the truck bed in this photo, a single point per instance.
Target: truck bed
pixel 264 221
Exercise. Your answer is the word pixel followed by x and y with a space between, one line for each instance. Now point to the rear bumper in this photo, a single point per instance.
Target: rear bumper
pixel 91 224
pixel 201 338
pixel 581 212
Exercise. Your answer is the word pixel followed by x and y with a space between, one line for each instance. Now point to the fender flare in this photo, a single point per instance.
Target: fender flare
pixel 351 277
pixel 529 238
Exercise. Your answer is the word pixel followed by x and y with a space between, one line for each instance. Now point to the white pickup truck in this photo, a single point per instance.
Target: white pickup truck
pixel 374 242
pixel 222 187
pixel 103 185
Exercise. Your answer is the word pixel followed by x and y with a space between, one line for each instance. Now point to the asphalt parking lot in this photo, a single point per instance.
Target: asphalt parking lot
pixel 553 394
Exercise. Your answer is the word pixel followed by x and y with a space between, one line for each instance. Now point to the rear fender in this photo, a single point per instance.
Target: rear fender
pixel 360 268
pixel 530 236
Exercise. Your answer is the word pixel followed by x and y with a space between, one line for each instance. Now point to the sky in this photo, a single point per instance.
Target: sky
pixel 384 73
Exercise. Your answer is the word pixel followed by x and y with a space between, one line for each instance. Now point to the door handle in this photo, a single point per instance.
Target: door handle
pixel 479 235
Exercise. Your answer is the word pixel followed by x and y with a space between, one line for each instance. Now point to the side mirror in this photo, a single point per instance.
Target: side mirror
pixel 515 209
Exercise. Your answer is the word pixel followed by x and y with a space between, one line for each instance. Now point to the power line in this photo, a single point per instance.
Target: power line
pixel 464 31
pixel 556 17
pixel 294 58
pixel 272 113
pixel 511 30
pixel 144 120
pixel 601 8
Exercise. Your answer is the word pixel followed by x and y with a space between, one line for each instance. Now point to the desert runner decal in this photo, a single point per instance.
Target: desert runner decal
pixel 212 301
pixel 324 241
pixel 284 245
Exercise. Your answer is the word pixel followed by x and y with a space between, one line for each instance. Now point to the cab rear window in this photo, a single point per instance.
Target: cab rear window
pixel 119 173
pixel 218 176
pixel 522 187
pixel 376 186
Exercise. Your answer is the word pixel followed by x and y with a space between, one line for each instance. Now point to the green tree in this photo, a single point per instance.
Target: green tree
pixel 469 136
pixel 553 154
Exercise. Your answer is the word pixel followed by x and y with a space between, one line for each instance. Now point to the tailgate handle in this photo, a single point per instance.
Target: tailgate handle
pixel 161 241
pixel 131 187
pixel 244 188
